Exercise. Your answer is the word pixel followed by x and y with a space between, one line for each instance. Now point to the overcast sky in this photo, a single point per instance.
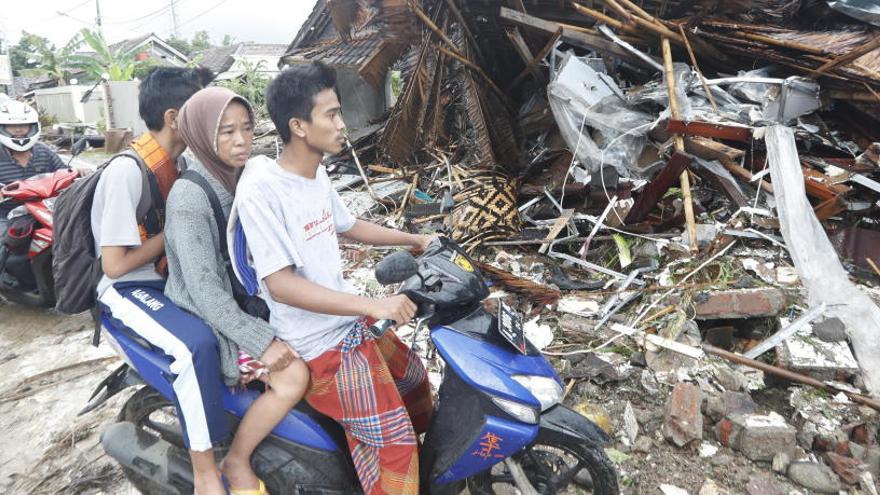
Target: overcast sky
pixel 266 21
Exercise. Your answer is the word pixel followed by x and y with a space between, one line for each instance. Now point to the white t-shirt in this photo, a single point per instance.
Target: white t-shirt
pixel 114 216
pixel 290 220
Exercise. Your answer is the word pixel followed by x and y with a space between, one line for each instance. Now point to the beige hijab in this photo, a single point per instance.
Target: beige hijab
pixel 199 121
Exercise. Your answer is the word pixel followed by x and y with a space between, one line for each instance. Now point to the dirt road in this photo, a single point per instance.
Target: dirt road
pixel 48 370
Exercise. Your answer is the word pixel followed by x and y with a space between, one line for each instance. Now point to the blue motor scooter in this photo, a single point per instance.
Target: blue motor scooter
pixel 498 420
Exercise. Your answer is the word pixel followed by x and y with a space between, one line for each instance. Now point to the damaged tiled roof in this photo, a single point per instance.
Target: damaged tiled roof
pixel 313 27
pixel 338 53
pixel 221 58
pixel 218 59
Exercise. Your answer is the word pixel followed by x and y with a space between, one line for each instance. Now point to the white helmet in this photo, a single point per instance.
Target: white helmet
pixel 17 113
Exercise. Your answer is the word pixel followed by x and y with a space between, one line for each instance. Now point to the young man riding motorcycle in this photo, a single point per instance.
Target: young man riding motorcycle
pixel 21 155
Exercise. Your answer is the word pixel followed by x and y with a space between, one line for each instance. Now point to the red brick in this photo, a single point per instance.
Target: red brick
pixel 684 421
pixel 740 303
pixel 845 467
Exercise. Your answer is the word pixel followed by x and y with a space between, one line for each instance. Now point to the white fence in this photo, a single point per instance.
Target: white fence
pixel 64 104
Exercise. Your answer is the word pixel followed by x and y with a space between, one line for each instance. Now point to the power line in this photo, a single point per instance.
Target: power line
pixel 200 14
pixel 63 13
pixel 81 21
pixel 154 13
pixel 174 30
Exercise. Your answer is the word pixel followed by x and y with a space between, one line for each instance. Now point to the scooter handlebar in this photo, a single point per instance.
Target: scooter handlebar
pixel 379 327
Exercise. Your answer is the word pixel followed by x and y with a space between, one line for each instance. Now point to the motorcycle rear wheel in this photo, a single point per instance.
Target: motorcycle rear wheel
pixel 552 468
pixel 152 412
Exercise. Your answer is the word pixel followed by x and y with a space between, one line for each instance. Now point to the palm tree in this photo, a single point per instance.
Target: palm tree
pixel 114 65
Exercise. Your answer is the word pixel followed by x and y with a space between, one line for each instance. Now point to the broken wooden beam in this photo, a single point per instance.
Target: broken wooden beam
pixel 534 62
pixel 557 227
pixel 789 375
pixel 519 44
pixel 710 130
pixel 846 58
pixel 693 58
pixel 658 186
pixel 725 155
pixel 641 22
pixel 577 37
pixel 725 185
pixel 679 144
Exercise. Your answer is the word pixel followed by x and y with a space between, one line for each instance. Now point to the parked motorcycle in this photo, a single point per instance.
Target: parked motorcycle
pixel 498 420
pixel 26 243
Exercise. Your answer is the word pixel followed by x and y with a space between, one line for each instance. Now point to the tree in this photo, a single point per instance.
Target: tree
pixel 200 41
pixel 23 55
pixel 34 56
pixel 251 84
pixel 180 45
pixel 228 40
pixel 118 66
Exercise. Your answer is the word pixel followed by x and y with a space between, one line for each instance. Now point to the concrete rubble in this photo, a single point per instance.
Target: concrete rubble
pixel 659 188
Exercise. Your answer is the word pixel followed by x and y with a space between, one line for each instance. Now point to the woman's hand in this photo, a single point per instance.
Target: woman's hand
pixel 278 356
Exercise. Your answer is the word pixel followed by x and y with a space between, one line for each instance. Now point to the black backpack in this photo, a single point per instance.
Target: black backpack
pixel 76 267
pixel 252 305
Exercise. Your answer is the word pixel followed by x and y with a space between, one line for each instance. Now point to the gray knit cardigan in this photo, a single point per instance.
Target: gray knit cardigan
pixel 197 277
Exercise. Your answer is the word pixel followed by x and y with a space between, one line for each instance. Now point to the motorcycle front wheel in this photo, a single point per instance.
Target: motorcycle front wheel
pixel 550 467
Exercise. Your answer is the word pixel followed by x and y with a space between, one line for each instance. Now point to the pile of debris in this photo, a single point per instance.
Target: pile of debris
pixel 678 193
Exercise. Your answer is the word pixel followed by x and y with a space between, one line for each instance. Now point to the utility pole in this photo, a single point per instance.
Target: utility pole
pixel 6 78
pixel 173 19
pixel 98 17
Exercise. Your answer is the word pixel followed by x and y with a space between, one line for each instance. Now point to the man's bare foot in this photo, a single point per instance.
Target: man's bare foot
pixel 239 473
pixel 208 484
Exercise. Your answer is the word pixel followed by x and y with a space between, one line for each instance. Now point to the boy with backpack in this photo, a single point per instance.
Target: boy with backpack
pixel 126 201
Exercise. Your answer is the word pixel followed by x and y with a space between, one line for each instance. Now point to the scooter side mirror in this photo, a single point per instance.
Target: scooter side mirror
pixel 396 268
pixel 79 146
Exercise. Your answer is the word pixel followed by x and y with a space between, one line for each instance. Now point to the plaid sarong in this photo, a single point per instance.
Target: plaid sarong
pixel 378 390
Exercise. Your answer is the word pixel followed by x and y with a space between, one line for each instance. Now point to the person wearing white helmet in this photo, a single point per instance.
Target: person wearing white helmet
pixel 21 155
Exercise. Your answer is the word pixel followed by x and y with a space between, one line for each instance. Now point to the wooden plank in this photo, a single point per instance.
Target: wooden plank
pixel 571 35
pixel 713 150
pixel 658 186
pixel 710 130
pixel 557 227
pixel 519 44
pixel 678 141
pixel 725 184
pixel 846 58
pixel 534 62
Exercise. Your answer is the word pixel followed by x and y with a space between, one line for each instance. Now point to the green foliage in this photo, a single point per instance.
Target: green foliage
pixel 228 40
pixel 118 66
pixel 180 45
pixel 251 84
pixel 396 84
pixel 34 56
pixel 200 41
pixel 673 192
pixel 143 67
pixel 47 120
pixel 23 55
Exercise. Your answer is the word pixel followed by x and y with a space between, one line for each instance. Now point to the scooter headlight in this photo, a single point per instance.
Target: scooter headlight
pixel 547 390
pixel 522 412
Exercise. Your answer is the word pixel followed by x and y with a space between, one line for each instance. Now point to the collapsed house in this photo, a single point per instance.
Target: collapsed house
pixel 690 180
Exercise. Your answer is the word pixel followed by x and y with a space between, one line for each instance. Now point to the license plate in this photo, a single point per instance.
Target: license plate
pixel 510 326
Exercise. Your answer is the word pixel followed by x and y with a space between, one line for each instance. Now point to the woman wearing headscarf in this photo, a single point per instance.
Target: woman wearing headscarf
pixel 218 127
